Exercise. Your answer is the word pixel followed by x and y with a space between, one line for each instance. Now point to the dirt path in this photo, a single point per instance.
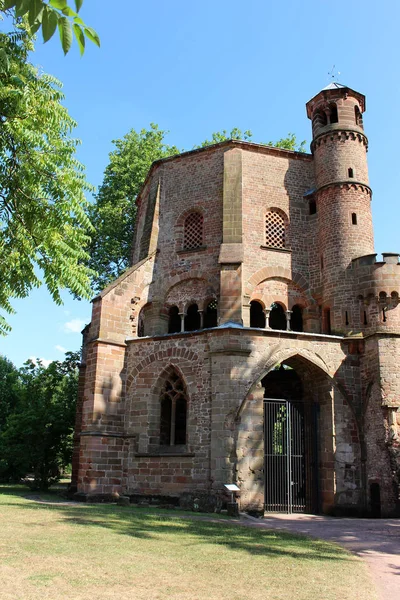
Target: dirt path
pixel 377 541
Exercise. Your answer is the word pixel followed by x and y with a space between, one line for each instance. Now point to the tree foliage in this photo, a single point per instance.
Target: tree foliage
pixel 36 437
pixel 43 210
pixel 52 15
pixel 113 212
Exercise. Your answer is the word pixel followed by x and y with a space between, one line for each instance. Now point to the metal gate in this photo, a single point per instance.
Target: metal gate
pixel 285 463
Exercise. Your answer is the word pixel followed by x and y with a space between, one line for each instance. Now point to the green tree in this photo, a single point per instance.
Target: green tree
pixel 37 435
pixel 9 378
pixel 43 210
pixel 52 15
pixel 114 210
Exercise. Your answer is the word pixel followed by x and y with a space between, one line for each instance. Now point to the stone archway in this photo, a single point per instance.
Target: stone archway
pixel 328 481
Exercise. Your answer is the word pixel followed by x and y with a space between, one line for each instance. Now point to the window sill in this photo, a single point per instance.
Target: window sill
pixel 284 250
pixel 187 250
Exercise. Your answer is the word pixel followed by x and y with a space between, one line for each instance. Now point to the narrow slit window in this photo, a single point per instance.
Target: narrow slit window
pixel 350 173
pixel 365 318
pixel 322 263
pixel 313 207
pixel 384 315
pixel 347 318
pixel 354 218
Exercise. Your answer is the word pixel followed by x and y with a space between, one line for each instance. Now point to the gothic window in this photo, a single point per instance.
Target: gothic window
pixel 173 412
pixel 192 318
pixel 277 317
pixel 193 231
pixel 174 320
pixel 257 316
pixel 140 325
pixel 210 315
pixel 296 320
pixel 275 230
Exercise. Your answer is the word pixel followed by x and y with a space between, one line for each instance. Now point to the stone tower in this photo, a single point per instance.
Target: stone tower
pixel 342 199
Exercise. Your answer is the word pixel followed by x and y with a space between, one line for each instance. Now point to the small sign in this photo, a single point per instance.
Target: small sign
pixel 232 487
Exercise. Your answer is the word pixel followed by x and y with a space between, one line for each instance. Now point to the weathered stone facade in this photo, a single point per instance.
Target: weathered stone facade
pixel 254 277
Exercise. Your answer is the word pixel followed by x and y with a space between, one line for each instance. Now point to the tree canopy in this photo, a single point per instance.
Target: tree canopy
pixel 38 416
pixel 44 227
pixel 52 15
pixel 114 210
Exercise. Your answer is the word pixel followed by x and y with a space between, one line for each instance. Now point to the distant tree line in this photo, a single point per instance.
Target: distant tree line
pixel 37 415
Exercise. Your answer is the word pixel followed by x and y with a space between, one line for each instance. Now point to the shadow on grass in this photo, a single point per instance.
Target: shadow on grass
pixel 185 529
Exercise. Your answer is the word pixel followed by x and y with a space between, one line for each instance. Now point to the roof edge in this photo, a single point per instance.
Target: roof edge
pixel 263 148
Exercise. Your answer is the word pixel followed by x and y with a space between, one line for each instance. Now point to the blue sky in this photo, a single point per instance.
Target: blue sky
pixel 195 68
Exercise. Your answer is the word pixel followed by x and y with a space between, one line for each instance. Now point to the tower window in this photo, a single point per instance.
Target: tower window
pixel 346 317
pixel 326 321
pixel 358 116
pixel 322 263
pixel 193 231
pixel 257 317
pixel 354 218
pixel 350 173
pixel 174 320
pixel 173 412
pixel 275 231
pixel 313 207
pixel 365 318
pixel 333 114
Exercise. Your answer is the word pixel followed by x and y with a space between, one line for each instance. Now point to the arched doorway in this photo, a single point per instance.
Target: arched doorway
pixel 290 444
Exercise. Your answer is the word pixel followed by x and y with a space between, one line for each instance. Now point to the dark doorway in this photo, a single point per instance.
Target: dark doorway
pixel 277 317
pixel 174 320
pixel 257 317
pixel 290 444
pixel 296 320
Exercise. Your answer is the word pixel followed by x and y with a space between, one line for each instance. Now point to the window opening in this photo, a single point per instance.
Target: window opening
pixel 211 315
pixel 354 218
pixel 384 315
pixel 193 231
pixel 333 114
pixel 351 173
pixel 140 326
pixel 320 118
pixel 313 207
pixel 275 234
pixel 174 320
pixel 347 318
pixel 173 412
pixel 277 317
pixel 192 318
pixel 257 316
pixel 322 263
pixel 365 318
pixel 296 320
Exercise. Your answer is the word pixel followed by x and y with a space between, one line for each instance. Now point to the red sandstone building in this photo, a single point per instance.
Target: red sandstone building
pixel 256 338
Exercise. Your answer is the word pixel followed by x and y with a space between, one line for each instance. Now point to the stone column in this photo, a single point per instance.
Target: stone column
pixel 288 317
pixel 182 316
pixel 267 312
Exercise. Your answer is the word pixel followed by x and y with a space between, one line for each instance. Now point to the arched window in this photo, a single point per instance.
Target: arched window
pixel 320 119
pixel 174 320
pixel 275 230
pixel 193 231
pixel 257 316
pixel 277 317
pixel 140 325
pixel 333 114
pixel 192 318
pixel 173 412
pixel 296 320
pixel 210 315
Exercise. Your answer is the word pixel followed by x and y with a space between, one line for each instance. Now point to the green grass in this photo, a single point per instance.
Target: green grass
pixel 109 552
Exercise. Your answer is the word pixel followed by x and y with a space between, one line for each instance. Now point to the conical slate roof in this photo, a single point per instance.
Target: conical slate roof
pixel 333 86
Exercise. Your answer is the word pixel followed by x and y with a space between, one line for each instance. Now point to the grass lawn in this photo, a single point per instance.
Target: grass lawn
pixel 109 552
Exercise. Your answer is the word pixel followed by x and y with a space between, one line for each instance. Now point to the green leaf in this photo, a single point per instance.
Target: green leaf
pixel 80 38
pixel 65 30
pixel 22 7
pixel 9 4
pixel 60 4
pixel 92 36
pixel 49 23
pixel 4 62
pixel 35 27
pixel 78 4
pixel 35 12
pixel 68 12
